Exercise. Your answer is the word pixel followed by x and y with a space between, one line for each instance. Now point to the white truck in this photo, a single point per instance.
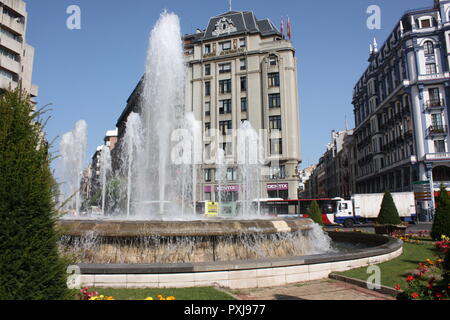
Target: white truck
pixel 366 207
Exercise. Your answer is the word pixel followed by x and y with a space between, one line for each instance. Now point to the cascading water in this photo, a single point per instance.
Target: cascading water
pixel 73 152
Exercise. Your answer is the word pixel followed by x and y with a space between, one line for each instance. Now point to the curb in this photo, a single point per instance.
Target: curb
pixel 363 284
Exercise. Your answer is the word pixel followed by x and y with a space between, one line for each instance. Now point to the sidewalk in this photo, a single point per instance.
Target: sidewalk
pixel 326 289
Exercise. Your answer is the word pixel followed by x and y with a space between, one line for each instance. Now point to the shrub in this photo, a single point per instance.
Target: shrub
pixel 441 222
pixel 315 214
pixel 388 214
pixel 30 266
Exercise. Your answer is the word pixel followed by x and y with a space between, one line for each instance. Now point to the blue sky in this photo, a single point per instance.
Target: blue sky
pixel 89 73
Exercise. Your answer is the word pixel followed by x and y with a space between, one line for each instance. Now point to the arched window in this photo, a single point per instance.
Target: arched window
pixel 428 48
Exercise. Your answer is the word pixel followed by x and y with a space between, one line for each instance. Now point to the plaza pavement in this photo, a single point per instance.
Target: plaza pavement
pixel 325 289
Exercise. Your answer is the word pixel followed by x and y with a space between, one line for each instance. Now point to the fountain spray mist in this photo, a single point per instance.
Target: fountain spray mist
pixel 162 108
pixel 73 152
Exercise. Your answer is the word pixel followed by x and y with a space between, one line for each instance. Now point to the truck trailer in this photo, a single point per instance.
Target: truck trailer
pixel 363 208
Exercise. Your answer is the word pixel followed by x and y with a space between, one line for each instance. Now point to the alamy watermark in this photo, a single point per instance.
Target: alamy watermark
pixel 374 19
pixel 73 21
pixel 374 280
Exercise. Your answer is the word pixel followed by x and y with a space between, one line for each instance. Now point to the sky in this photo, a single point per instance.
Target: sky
pixel 88 74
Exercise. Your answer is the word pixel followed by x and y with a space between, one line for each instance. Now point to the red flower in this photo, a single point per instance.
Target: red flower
pixel 414 295
pixel 438 295
pixel 397 287
pixel 410 278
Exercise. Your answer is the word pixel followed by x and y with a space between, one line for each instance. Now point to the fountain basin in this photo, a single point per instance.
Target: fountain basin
pixel 214 253
pixel 216 227
pixel 144 242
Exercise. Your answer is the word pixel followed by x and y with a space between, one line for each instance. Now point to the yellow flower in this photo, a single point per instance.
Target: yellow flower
pixel 149 298
pixel 171 298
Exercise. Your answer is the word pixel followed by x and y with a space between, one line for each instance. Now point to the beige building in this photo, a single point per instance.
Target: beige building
pixel 16 56
pixel 241 68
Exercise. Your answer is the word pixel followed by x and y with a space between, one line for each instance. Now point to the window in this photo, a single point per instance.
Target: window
pixel 428 48
pixel 208 175
pixel 274 100
pixel 225 86
pixel 435 99
pixel 207 88
pixel 231 174
pixel 276 146
pixel 276 173
pixel 225 68
pixel 243 83
pixel 275 123
pixel 439 146
pixel 273 60
pixel 207 129
pixel 207 49
pixel 226 45
pixel 436 121
pixel 207 70
pixel 426 23
pixel 227 147
pixel 274 79
pixel 207 108
pixel 242 43
pixel 224 126
pixel 243 64
pixel 225 106
pixel 243 104
pixel 431 68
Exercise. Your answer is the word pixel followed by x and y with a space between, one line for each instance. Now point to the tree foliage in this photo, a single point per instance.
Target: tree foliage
pixel 388 214
pixel 315 213
pixel 30 266
pixel 441 222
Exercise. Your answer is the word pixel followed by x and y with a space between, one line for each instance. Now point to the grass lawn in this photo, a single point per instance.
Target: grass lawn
pixel 204 293
pixel 395 271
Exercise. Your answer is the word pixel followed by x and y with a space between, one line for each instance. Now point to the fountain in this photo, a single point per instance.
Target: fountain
pixel 159 236
pixel 73 151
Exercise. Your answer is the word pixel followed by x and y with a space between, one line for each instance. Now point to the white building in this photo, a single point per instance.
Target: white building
pixel 16 56
pixel 401 106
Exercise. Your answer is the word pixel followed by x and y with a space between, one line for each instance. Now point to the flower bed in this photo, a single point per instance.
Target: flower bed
pixel 429 280
pixel 85 294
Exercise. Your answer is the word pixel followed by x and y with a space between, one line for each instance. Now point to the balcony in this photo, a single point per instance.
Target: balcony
pixel 435 104
pixel 437 130
pixel 443 156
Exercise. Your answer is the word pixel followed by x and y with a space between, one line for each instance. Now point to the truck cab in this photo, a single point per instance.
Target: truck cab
pixel 344 213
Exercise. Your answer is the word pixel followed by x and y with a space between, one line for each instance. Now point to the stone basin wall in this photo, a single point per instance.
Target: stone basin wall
pixel 112 242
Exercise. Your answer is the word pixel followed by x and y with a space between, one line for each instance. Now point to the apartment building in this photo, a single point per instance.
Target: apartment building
pixel 16 56
pixel 243 69
pixel 401 106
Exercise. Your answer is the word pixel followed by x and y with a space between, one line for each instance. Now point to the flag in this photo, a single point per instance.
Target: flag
pixel 282 27
pixel 289 28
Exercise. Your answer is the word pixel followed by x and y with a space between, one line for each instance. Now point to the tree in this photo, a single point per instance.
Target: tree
pixel 315 214
pixel 30 266
pixel 441 222
pixel 388 214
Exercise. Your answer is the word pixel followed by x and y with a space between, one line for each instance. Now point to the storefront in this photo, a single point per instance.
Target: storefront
pixel 278 190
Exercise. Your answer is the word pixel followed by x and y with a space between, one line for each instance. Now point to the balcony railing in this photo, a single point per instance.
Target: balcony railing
pixel 434 104
pixel 436 130
pixel 437 156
